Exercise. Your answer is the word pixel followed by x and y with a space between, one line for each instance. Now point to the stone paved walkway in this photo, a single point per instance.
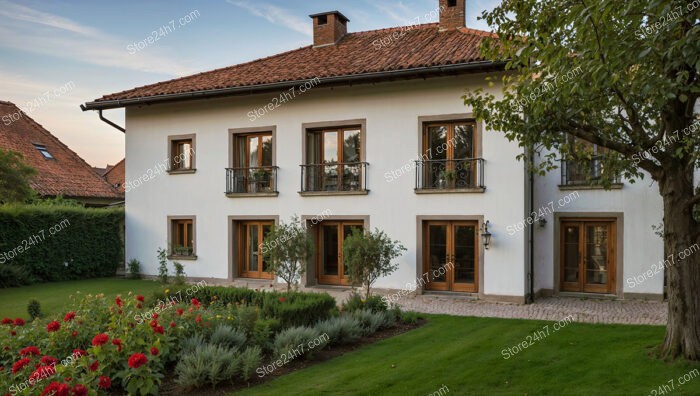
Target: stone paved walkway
pixel 550 308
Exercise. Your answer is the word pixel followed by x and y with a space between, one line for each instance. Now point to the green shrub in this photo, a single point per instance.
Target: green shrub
pixel 410 317
pixel 293 342
pixel 341 330
pixel 134 268
pixel 250 360
pixel 246 316
pixel 34 309
pixel 356 302
pixel 228 337
pixel 191 344
pixel 264 331
pixel 370 321
pixel 13 276
pixel 180 277
pixel 59 243
pixel 208 365
pixel 163 266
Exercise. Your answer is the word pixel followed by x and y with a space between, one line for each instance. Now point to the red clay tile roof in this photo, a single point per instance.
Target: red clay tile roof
pixel 385 50
pixel 116 175
pixel 67 174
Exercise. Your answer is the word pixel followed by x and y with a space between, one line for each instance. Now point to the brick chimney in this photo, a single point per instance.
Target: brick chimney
pixel 329 27
pixel 452 14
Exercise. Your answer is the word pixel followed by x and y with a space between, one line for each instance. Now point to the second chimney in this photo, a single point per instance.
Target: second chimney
pixel 452 14
pixel 329 27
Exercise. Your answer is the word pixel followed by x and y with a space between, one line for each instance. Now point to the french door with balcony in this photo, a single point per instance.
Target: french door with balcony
pixel 333 160
pixel 251 238
pixel 329 247
pixel 254 170
pixel 588 255
pixel 449 151
pixel 451 255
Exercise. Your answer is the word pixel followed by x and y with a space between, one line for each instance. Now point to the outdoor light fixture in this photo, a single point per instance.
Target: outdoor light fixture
pixel 486 235
pixel 542 222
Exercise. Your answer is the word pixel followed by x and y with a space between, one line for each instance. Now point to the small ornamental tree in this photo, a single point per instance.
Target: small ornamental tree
pixel 369 255
pixel 15 176
pixel 287 250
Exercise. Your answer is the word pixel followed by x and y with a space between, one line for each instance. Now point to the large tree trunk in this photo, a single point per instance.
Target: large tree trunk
pixel 683 264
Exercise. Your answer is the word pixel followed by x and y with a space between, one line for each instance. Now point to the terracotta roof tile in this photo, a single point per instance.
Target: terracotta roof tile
pixel 66 174
pixel 358 53
pixel 116 175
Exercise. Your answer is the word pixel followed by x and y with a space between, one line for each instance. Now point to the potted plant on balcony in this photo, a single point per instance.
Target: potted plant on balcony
pixel 260 181
pixel 447 178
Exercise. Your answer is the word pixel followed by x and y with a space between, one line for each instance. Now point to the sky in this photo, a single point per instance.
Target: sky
pixel 56 55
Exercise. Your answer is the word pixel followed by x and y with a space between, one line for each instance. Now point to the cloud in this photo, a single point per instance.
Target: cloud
pixel 276 15
pixel 29 30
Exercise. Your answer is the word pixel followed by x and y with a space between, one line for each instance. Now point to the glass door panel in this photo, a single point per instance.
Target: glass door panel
pixel 596 256
pixel 464 257
pixel 572 249
pixel 329 249
pixel 587 258
pixel 462 154
pixel 436 155
pixel 347 231
pixel 351 158
pixel 437 256
pixel 253 246
pixel 330 161
pixel 265 230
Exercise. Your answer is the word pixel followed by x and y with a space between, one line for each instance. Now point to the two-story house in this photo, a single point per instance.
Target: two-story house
pixel 366 129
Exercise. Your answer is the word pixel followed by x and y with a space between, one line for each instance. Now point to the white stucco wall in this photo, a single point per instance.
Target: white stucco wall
pixel 641 207
pixel 391 111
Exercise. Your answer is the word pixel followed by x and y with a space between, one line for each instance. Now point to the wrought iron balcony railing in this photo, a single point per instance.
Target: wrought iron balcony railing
pixel 334 177
pixel 584 172
pixel 262 179
pixel 456 174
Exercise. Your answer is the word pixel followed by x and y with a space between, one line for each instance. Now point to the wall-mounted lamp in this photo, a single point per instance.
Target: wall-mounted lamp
pixel 486 235
pixel 542 222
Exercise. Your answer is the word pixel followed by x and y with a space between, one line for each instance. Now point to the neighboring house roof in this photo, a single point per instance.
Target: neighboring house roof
pixel 115 175
pixel 409 52
pixel 64 173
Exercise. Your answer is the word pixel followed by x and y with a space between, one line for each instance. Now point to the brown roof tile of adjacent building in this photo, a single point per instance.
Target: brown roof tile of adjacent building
pixel 116 175
pixel 356 54
pixel 65 173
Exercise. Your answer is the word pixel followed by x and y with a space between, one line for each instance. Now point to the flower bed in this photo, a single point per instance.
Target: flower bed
pixel 105 345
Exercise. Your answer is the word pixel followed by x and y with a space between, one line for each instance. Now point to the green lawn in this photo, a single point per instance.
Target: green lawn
pixel 465 354
pixel 53 297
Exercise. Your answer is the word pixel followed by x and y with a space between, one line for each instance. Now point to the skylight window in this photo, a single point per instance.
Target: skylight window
pixel 42 149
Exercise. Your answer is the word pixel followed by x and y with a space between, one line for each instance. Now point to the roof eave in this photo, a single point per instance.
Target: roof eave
pixel 430 71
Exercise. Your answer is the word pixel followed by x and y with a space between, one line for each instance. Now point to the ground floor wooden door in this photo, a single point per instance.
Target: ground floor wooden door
pixel 588 249
pixel 451 255
pixel 251 237
pixel 329 247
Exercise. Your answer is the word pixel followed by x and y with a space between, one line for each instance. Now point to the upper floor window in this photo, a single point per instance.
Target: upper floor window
pixel 182 153
pixel 252 159
pixel 333 160
pixel 449 157
pixel 583 164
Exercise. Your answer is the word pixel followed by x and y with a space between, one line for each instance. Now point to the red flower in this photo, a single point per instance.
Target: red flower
pixel 79 390
pixel 13 333
pixel 282 299
pixel 30 350
pixel 7 321
pixel 19 365
pixel 79 352
pixel 172 324
pixel 100 339
pixel 154 351
pixel 19 322
pixel 139 297
pixel 195 302
pixel 42 372
pixel 118 343
pixel 49 360
pixel 159 329
pixel 74 333
pixel 179 311
pixel 198 319
pixel 119 301
pixel 153 323
pixel 104 382
pixel 56 389
pixel 155 316
pixel 137 360
pixel 53 326
pixel 139 306
pixel 94 365
pixel 69 316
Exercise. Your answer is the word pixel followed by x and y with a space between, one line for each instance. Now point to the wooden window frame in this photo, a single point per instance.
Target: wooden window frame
pixel 172 220
pixel 243 249
pixel 174 140
pixel 612 241
pixel 450 284
pixel 341 279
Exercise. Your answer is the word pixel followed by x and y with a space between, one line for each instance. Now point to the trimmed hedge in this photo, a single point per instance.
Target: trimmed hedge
pixel 56 243
pixel 291 309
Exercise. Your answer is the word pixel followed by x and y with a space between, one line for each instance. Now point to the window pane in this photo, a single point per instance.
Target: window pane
pixel 329 249
pixel 266 229
pixel 463 141
pixel 330 147
pixel 253 151
pixel 253 247
pixel 596 254
pixel 438 252
pixel 571 254
pixel 464 254
pixel 240 152
pixel 351 146
pixel 266 151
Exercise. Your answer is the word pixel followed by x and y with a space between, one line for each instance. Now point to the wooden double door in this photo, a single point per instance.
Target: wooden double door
pixel 251 239
pixel 588 249
pixel 330 236
pixel 451 255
